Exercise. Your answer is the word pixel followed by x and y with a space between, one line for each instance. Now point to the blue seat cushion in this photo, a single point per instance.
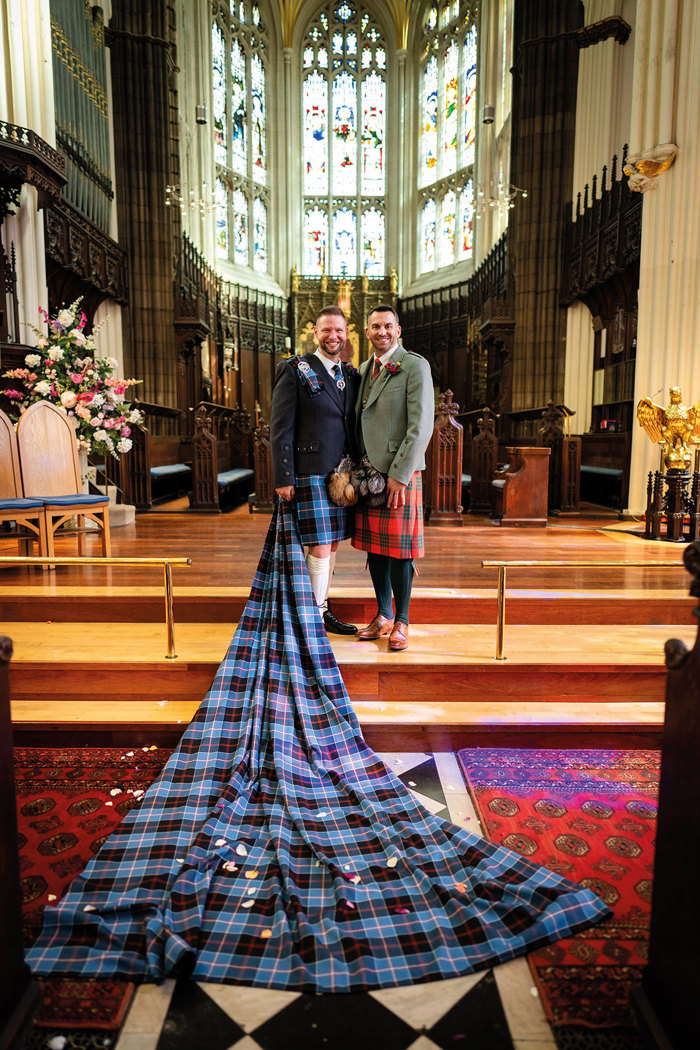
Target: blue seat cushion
pixel 607 472
pixel 169 470
pixel 21 504
pixel 231 477
pixel 466 479
pixel 79 499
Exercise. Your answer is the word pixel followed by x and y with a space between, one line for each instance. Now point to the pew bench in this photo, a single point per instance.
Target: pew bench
pixel 605 460
pixel 170 480
pixel 222 470
pixel 521 488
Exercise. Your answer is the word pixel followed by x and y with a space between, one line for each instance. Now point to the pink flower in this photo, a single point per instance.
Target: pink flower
pixel 83 320
pixel 125 431
pixel 14 395
pixel 76 378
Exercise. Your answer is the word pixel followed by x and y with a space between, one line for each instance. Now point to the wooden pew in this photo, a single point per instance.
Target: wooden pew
pixel 521 489
pixel 222 456
pixel 262 500
pixel 19 996
pixel 666 1003
pixel 159 465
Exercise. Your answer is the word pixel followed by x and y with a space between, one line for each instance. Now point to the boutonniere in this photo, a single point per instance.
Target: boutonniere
pixel 393 367
pixel 350 369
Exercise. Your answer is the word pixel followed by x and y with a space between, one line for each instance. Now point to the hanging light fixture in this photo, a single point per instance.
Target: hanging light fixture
pixel 496 193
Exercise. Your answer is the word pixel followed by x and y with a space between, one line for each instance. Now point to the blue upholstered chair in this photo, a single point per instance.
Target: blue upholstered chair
pixel 28 514
pixel 48 454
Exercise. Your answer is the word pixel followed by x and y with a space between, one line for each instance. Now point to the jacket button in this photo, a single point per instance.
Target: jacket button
pixel 286 448
pixel 286 473
pixel 284 460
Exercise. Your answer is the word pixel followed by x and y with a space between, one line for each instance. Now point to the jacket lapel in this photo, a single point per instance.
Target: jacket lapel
pixel 328 381
pixel 381 380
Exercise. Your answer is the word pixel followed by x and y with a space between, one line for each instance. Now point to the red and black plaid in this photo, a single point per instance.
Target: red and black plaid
pixel 396 533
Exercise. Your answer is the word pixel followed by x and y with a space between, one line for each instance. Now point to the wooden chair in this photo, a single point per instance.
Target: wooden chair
pixel 48 454
pixel 28 514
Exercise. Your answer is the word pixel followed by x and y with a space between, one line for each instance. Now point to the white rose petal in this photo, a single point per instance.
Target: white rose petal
pixel 241 850
pixel 57 1043
pixel 138 793
pixel 220 842
pixel 109 803
pixel 89 907
pixel 392 862
pixel 247 904
pixel 115 791
pixel 52 897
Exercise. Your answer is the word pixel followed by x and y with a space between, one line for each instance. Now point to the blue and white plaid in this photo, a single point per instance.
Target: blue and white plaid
pixel 319 520
pixel 276 849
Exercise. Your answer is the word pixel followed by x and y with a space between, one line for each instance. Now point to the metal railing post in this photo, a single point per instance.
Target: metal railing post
pixel 501 611
pixel 168 579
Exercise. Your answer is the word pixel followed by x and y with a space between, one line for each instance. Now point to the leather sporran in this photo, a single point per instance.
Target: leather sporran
pixel 341 490
pixel 370 484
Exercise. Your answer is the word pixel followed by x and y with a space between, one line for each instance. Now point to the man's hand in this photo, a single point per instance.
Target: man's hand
pixel 286 493
pixel 395 494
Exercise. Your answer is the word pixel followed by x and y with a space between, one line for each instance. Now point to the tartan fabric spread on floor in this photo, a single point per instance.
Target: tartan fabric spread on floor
pixel 276 849
pixel 590 815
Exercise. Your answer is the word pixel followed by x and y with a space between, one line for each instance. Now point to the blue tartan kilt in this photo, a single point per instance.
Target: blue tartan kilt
pixel 319 520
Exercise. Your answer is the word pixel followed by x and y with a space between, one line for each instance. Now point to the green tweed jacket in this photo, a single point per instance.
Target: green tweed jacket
pixel 395 414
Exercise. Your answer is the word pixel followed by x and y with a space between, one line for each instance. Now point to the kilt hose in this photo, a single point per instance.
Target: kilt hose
pixel 319 520
pixel 276 849
pixel 396 533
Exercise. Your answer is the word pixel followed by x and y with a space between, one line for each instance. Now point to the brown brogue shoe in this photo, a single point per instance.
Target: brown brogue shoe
pixel 378 628
pixel 398 639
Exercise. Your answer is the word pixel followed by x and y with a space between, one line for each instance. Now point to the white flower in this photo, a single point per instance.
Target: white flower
pixel 78 336
pixel 100 435
pixel 135 416
pixel 43 387
pixel 109 443
pixel 65 318
pixel 32 360
pixel 112 362
pixel 68 399
pixel 42 341
pixel 55 353
pixel 97 400
pixel 124 445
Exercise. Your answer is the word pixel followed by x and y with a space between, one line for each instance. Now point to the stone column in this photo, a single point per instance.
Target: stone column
pixel 665 95
pixel 544 113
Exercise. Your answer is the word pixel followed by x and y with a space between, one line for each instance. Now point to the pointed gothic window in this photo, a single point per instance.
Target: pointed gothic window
pixel 447 99
pixel 239 83
pixel 344 107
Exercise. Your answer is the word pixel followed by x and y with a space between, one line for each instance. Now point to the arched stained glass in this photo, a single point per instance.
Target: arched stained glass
pixel 448 222
pixel 238 108
pixel 239 89
pixel 221 200
pixel 373 129
pixel 447 92
pixel 259 235
pixel 372 233
pixel 240 227
pixel 344 248
pixel 315 241
pixel 429 139
pixel 428 224
pixel 219 92
pixel 344 102
pixel 344 180
pixel 315 134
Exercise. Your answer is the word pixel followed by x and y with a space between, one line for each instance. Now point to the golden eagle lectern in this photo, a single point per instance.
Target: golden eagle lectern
pixel 674 427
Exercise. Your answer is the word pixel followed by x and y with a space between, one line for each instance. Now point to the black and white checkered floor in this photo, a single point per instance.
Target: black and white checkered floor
pixel 495 1010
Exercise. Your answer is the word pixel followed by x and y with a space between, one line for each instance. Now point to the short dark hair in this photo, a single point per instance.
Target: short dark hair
pixel 383 308
pixel 330 311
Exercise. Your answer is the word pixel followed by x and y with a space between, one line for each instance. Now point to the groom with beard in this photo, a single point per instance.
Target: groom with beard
pixel 312 426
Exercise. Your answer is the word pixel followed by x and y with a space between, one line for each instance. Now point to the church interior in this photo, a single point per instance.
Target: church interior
pixel 184 184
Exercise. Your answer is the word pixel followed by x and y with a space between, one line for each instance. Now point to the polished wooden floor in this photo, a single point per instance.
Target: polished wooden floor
pixel 584 644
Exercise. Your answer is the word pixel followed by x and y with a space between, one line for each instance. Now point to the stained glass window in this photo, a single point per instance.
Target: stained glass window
pixel 428 223
pixel 372 232
pixel 315 134
pixel 240 227
pixel 239 82
pixel 429 128
pixel 221 220
pixel 259 235
pixel 448 68
pixel 344 248
pixel 345 135
pixel 219 89
pixel 238 108
pixel 344 131
pixel 466 236
pixel 315 241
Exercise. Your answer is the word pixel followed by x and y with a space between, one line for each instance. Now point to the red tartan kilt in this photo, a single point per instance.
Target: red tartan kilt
pixel 396 533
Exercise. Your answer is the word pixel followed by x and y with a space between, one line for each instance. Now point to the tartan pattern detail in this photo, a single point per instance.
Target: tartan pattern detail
pixel 319 520
pixel 276 849
pixel 396 533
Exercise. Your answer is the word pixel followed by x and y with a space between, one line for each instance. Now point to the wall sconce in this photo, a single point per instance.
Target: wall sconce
pixel 287 344
pixel 200 114
pixel 230 361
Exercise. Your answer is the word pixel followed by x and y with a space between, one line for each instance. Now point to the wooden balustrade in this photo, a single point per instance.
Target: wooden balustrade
pixel 443 475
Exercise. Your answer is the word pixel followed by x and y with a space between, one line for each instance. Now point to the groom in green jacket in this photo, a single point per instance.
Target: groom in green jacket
pixel 395 415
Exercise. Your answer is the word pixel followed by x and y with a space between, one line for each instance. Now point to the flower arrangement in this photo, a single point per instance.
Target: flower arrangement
pixel 393 367
pixel 65 371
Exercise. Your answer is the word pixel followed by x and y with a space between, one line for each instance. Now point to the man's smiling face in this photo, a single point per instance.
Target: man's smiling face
pixel 331 332
pixel 383 331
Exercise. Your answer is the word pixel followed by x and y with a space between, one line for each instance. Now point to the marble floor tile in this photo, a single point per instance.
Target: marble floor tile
pixel 148 1011
pixel 422 1005
pixel 249 1007
pixel 535 1044
pixel 423 1043
pixel 523 1009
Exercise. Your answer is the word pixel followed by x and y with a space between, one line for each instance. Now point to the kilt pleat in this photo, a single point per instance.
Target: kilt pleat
pixel 320 521
pixel 276 849
pixel 396 533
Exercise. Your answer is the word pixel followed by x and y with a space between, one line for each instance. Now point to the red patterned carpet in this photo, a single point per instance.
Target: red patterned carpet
pixel 590 815
pixel 68 802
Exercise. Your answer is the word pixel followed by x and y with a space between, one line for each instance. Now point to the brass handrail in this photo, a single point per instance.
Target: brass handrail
pixel 167 564
pixel 579 563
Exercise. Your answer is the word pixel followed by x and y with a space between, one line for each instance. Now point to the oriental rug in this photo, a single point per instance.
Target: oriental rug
pixel 591 816
pixel 68 801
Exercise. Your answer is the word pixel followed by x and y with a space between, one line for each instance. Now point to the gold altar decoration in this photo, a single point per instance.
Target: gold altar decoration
pixel 674 427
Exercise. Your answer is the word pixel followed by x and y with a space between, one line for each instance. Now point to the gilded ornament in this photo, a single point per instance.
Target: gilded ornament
pixel 674 427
